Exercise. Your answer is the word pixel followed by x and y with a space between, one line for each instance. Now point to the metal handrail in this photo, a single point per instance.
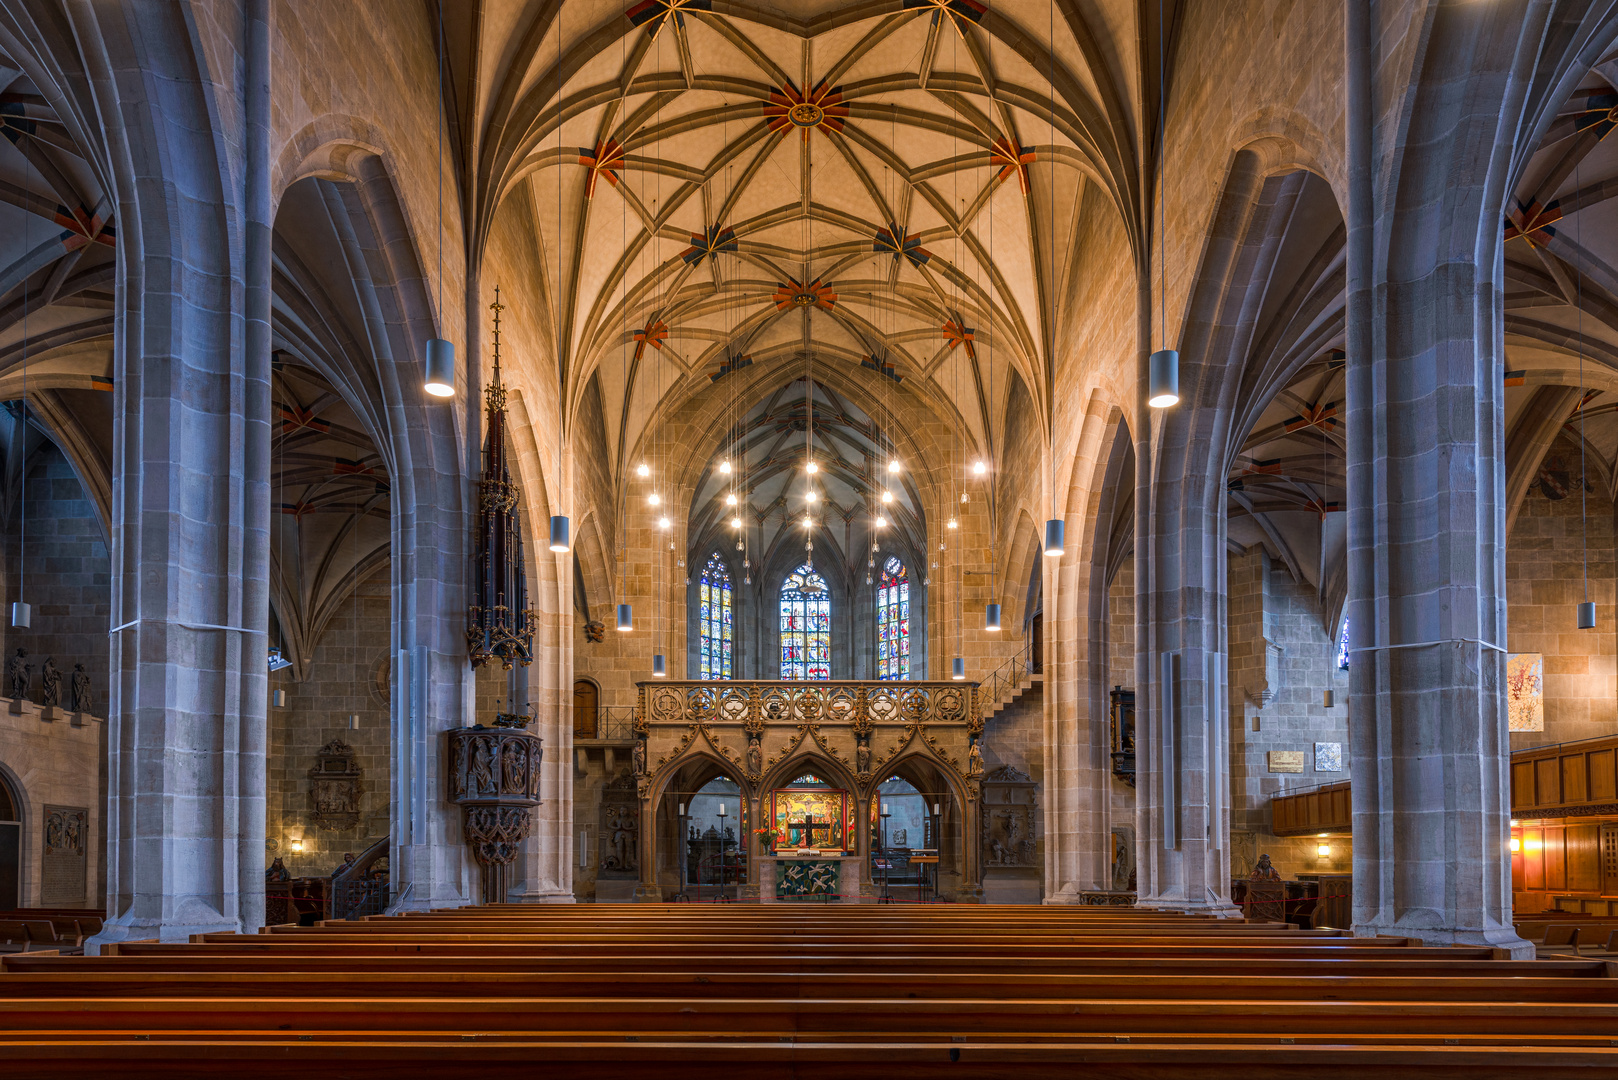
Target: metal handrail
pixel 1005 679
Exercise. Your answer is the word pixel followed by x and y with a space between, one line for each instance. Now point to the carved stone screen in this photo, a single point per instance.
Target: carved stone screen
pixel 66 846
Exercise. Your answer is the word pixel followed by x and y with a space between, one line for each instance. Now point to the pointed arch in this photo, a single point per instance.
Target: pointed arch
pixel 805 615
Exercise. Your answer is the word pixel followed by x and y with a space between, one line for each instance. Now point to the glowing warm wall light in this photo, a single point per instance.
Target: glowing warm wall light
pixel 978 468
pixel 642 470
pixel 893 466
pixel 1516 845
pixel 811 468
pixel 654 499
pixel 724 467
pixel 297 845
pixel 1324 851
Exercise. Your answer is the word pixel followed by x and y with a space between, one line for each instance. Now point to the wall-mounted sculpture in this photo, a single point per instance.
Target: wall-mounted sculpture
pixel 334 786
pixel 1008 818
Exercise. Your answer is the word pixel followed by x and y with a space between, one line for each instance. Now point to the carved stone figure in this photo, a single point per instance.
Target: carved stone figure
pixel 862 757
pixel 623 825
pixel 1123 862
pixel 595 632
pixel 1264 871
pixel 1013 827
pixel 900 838
pixel 974 760
pixel 515 760
pixel 21 672
pixel 278 871
pixel 639 758
pixel 50 683
pixel 755 757
pixel 80 685
pixel 482 768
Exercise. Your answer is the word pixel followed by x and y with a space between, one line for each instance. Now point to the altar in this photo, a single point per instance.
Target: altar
pixel 790 877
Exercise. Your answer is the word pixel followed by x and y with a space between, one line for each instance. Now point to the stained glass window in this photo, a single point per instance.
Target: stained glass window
pixel 1342 648
pixel 714 620
pixel 893 622
pixel 805 626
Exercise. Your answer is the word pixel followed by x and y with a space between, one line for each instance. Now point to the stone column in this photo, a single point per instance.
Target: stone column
pixel 1426 478
pixel 190 528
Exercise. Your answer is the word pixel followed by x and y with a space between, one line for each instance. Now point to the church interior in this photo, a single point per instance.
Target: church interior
pixel 643 534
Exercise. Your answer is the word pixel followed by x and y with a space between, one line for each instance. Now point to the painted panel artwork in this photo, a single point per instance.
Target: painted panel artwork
pixel 1525 691
pixel 1328 757
pixel 790 807
pixel 1285 760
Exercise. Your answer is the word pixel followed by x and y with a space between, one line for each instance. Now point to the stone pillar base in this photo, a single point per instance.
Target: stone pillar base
pixel 1222 909
pixel 551 897
pixel 116 932
pixel 969 894
pixel 747 894
pixel 648 894
pixel 1504 937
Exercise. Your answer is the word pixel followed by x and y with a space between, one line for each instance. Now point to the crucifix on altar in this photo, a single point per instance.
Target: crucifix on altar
pixel 806 830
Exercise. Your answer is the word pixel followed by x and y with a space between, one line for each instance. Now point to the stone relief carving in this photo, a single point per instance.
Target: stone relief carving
pixel 80 686
pixel 1007 821
pixel 620 835
pixel 334 786
pixel 21 673
pixel 50 684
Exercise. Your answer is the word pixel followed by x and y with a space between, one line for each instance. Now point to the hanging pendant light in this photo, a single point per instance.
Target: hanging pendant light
pixel 991 617
pixel 279 699
pixel 1164 379
pixel 626 621
pixel 1055 534
pixel 957 669
pixel 353 721
pixel 659 668
pixel 1587 615
pixel 1328 699
pixel 560 530
pixel 440 381
pixel 21 614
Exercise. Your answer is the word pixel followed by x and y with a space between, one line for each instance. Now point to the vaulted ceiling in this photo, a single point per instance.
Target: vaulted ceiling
pixel 891 185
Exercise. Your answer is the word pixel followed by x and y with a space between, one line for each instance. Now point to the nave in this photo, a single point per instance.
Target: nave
pixel 812 991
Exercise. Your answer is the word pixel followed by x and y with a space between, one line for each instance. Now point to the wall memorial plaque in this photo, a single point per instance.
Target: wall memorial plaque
pixel 1286 761
pixel 67 841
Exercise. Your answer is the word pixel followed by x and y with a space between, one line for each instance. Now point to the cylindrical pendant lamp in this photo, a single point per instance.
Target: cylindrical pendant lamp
pixel 21 615
pixel 279 699
pixel 625 620
pixel 1055 534
pixel 659 668
pixel 440 368
pixel 958 668
pixel 1587 616
pixel 560 530
pixel 1163 386
pixel 1329 698
pixel 991 617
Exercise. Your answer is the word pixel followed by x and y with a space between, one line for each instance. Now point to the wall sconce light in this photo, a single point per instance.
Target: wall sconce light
pixel 1516 845
pixel 297 845
pixel 1323 850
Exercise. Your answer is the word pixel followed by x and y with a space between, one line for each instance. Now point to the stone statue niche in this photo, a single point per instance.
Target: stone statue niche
pixel 1008 819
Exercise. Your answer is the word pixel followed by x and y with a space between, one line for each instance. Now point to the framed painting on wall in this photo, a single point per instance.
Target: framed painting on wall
pixel 1525 691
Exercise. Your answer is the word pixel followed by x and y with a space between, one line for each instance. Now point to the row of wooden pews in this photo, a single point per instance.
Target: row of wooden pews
pixel 22 929
pixel 679 990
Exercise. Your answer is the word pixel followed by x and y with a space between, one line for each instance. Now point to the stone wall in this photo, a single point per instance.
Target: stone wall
pixel 64 574
pixel 348 675
pixel 1281 662
pixel 46 763
pixel 1015 736
pixel 1544 585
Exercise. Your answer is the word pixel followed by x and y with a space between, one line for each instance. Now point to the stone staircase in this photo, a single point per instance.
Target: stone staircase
pixel 1011 694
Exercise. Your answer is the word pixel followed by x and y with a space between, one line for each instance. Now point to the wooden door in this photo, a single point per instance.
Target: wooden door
pixel 586 698
pixel 1037 632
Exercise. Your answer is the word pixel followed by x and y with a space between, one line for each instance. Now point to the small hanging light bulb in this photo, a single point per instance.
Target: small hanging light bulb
pixel 662 523
pixel 730 500
pixel 881 522
pixel 808 522
pixel 893 466
pixel 654 499
pixel 735 523
pixel 978 468
pixel 812 496
pixel 811 468
pixel 724 467
pixel 887 496
pixel 965 498
pixel 952 523
pixel 643 470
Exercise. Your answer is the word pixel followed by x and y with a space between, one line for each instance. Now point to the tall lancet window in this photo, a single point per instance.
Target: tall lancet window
pixel 893 622
pixel 714 616
pixel 805 626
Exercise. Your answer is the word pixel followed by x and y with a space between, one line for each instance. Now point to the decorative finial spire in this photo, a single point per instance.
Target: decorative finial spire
pixel 497 307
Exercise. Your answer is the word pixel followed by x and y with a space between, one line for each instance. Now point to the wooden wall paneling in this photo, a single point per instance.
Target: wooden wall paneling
pixel 1522 785
pixel 1603 775
pixel 1533 853
pixel 1547 791
pixel 1555 858
pixel 1574 787
pixel 1609 859
pixel 1583 854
